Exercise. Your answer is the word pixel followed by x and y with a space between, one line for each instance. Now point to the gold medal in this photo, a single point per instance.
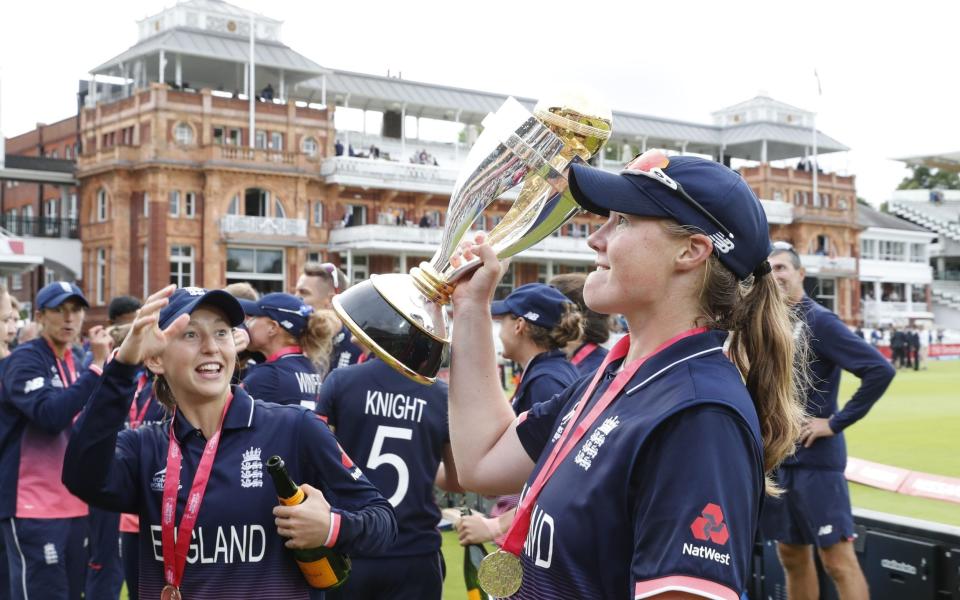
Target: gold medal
pixel 500 574
pixel 170 592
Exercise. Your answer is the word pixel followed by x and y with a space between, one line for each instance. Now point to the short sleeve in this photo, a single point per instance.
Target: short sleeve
pixel 536 427
pixel 327 403
pixel 695 495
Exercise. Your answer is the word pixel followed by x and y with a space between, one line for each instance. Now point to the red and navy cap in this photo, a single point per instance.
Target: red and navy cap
pixel 54 294
pixel 718 189
pixel 538 303
pixel 185 300
pixel 287 310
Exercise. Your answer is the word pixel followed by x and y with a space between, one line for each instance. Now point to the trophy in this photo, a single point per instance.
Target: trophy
pixel 401 317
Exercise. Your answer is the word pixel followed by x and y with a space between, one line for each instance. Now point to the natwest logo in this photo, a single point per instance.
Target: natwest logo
pixel 710 526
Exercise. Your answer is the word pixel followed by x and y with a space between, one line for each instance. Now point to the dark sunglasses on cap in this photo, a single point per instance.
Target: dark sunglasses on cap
pixel 651 164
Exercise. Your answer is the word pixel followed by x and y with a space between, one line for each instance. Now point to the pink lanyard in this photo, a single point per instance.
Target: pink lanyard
pixel 137 418
pixel 175 551
pixel 517 534
pixel 582 353
pixel 71 368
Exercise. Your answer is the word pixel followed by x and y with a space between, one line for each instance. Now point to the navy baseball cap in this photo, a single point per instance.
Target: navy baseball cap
pixel 743 247
pixel 538 303
pixel 54 294
pixel 289 311
pixel 185 300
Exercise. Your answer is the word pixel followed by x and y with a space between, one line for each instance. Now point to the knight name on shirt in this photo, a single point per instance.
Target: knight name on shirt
pixel 397 406
pixel 246 543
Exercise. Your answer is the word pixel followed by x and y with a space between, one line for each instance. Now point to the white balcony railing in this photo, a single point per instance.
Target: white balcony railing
pixel 395 239
pixel 840 266
pixel 778 212
pixel 265 226
pixel 385 174
pixel 883 313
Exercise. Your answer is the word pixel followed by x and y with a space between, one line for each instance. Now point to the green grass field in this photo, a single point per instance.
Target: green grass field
pixel 916 425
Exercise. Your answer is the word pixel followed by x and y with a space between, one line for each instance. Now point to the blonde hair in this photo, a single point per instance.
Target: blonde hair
pixel 316 339
pixel 772 361
pixel 568 329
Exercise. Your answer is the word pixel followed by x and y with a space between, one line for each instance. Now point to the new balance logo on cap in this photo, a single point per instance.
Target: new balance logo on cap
pixel 531 316
pixel 710 525
pixel 722 243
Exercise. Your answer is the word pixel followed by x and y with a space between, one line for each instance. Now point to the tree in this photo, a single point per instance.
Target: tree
pixel 925 178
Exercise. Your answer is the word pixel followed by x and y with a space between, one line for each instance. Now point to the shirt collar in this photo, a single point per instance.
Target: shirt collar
pixel 240 416
pixel 680 351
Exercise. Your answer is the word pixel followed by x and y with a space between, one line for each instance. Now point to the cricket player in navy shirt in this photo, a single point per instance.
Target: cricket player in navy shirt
pixel 536 322
pixel 645 480
pixel 396 429
pixel 318 284
pixel 44 388
pixel 296 341
pixel 587 353
pixel 228 540
pixel 815 509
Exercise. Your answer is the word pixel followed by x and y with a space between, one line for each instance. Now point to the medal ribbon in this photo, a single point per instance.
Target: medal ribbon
pixel 135 417
pixel 283 352
pixel 175 551
pixel 71 367
pixel 517 534
pixel 582 353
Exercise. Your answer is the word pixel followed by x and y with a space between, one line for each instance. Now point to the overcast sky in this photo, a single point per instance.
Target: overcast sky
pixel 888 71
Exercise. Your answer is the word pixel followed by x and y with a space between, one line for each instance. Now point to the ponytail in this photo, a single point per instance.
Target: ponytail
pixel 772 361
pixel 316 340
pixel 568 329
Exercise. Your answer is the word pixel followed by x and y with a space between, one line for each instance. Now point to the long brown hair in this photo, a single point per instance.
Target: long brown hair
pixel 568 329
pixel 772 361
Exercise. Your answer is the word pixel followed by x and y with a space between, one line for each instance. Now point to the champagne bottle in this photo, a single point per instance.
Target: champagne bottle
pixel 472 555
pixel 324 568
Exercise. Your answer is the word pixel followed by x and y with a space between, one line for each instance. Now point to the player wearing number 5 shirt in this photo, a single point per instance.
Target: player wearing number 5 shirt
pixel 396 430
pixel 645 480
pixel 225 541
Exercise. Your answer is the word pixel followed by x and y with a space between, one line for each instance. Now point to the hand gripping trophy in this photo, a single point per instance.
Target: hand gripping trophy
pixel 400 317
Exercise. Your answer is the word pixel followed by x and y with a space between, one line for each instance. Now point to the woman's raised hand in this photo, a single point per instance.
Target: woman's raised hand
pixel 145 338
pixel 480 285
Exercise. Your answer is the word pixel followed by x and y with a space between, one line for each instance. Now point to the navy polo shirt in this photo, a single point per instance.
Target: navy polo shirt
pixel 588 365
pixel 36 410
pixel 668 483
pixel 834 348
pixel 287 379
pixel 545 376
pixel 396 429
pixel 236 551
pixel 344 352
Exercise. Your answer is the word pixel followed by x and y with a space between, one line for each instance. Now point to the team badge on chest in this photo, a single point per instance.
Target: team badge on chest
pixel 251 469
pixel 591 446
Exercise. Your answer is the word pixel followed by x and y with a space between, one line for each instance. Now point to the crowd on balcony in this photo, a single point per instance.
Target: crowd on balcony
pixel 421 157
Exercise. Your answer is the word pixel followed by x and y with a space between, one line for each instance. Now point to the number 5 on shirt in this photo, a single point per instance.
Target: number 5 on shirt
pixel 385 458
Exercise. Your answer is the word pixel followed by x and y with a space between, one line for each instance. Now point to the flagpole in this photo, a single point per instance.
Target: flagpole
pixel 251 88
pixel 815 164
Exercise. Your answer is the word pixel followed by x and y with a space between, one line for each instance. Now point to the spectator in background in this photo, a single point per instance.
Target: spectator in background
pixel 338 148
pixel 424 221
pixel 317 286
pixel 267 93
pixel 913 345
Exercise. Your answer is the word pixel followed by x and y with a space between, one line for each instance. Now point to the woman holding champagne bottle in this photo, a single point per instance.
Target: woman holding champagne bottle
pixel 198 482
pixel 645 480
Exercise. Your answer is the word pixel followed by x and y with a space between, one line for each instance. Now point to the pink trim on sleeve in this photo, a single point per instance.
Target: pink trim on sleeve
pixel 682 583
pixel 96 369
pixel 334 532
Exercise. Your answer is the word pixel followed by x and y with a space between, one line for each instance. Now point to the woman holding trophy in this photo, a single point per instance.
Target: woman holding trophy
pixel 647 478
